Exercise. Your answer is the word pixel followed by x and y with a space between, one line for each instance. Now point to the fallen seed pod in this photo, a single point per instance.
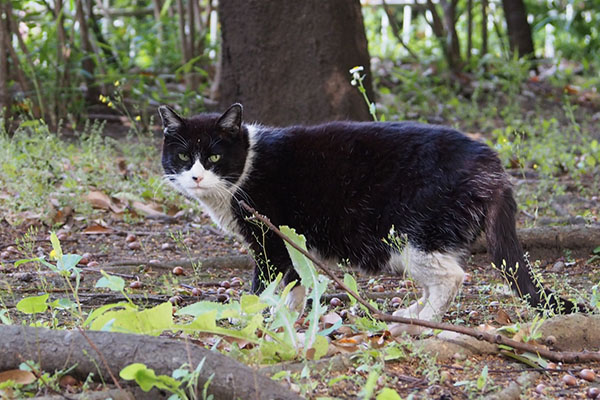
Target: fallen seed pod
pixel 569 380
pixel 587 374
pixel 178 271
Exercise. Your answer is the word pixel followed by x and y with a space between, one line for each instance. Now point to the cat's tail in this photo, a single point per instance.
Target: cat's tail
pixel 507 255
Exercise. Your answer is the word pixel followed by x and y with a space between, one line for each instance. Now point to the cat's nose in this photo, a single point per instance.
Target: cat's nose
pixel 197 179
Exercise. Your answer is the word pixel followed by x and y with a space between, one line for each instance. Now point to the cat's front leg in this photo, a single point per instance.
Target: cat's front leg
pixel 272 258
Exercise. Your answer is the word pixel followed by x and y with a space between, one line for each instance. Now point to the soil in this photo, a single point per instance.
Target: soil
pixel 482 300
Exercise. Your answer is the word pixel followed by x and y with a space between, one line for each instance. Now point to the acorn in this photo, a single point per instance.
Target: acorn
pixel 551 365
pixel 569 380
pixel 178 270
pixel 222 298
pixel 130 238
pixel 335 302
pixel 540 388
pixel 136 285
pixel 85 258
pixel 225 284
pixel 134 245
pixel 378 288
pixel 196 292
pixel 587 374
pixel 593 393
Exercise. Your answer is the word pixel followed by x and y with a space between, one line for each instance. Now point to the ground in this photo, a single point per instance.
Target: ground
pixel 146 247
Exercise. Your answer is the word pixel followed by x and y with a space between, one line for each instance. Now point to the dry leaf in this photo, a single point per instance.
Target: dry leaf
pixel 18 376
pixel 97 230
pixel 502 317
pixel 122 165
pixel 99 200
pixel 102 201
pixel 61 215
pixel 330 319
pixel 150 210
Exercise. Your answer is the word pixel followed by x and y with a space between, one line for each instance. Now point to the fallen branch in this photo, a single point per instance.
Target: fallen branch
pixel 574 237
pixel 55 349
pixel 494 338
pixel 233 262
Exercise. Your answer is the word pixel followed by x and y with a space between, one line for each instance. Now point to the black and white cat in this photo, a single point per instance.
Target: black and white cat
pixel 345 186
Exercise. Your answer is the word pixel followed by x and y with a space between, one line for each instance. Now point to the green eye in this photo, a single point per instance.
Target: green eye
pixel 214 158
pixel 183 157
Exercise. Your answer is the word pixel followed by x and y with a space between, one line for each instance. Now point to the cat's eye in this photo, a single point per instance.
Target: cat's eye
pixel 214 158
pixel 183 157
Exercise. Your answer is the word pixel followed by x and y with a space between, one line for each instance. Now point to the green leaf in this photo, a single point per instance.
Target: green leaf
pixel 203 307
pixel 69 261
pixel 101 310
pixel 33 305
pixel 27 260
pixel 369 387
pixel 481 381
pixel 321 345
pixel 146 378
pixel 207 322
pixel 311 280
pixel 251 304
pixel 282 315
pixel 388 394
pixel 394 353
pixel 152 321
pixel 351 283
pixel 114 283
pixel 56 245
pixel 63 304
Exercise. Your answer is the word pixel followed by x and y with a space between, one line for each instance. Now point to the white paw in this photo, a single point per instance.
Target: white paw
pixel 295 300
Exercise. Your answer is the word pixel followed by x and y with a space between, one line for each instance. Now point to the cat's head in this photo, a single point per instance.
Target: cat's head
pixel 204 155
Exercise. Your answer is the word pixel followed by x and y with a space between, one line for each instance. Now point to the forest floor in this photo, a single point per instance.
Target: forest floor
pixel 148 247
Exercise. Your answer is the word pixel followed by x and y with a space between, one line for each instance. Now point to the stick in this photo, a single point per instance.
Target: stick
pixel 562 356
pixel 93 346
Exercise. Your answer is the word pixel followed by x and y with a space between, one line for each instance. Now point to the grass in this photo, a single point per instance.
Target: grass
pixel 42 172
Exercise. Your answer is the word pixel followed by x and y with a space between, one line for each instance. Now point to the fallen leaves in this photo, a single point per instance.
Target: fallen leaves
pixel 17 376
pixel 118 205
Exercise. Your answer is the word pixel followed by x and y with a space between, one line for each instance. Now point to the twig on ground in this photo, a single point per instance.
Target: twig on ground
pixel 93 346
pixel 559 356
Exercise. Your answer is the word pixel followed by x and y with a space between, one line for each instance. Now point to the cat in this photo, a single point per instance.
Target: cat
pixel 346 186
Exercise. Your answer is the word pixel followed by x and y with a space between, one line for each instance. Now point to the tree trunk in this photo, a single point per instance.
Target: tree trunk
pixel 288 61
pixel 484 31
pixel 87 63
pixel 519 31
pixel 4 95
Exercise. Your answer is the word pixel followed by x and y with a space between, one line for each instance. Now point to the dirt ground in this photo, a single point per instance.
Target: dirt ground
pixel 146 250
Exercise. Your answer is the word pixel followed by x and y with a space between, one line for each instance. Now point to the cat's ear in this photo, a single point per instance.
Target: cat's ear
pixel 170 119
pixel 231 120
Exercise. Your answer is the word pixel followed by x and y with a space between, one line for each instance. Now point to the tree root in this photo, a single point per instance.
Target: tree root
pixel 55 350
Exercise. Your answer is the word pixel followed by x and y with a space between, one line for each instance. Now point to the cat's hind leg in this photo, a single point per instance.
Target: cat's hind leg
pixel 439 274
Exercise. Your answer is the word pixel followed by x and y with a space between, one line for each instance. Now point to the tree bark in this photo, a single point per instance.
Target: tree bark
pixel 519 31
pixel 4 95
pixel 288 61
pixel 484 30
pixel 55 350
pixel 87 63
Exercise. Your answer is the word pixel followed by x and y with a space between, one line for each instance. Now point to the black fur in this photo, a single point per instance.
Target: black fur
pixel 345 184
